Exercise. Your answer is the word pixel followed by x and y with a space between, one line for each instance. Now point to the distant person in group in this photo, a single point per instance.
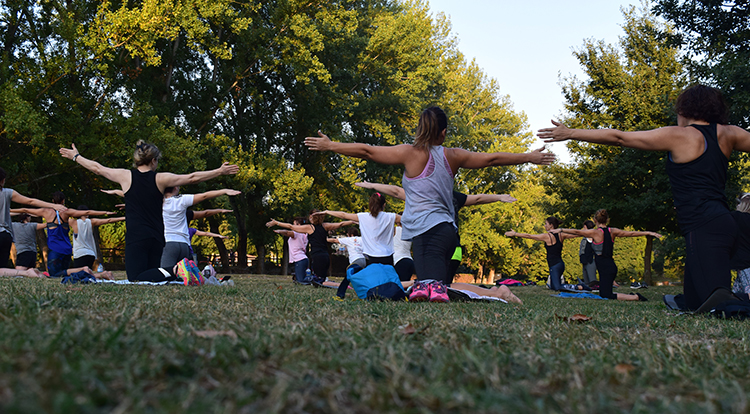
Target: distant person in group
pixel 317 237
pixel 353 243
pixel 58 233
pixel 84 244
pixel 699 148
pixel 176 229
pixel 586 256
pixel 605 263
pixel 144 189
pixel 376 226
pixel 7 196
pixel 460 200
pixel 24 235
pixel 297 247
pixel 429 169
pixel 553 243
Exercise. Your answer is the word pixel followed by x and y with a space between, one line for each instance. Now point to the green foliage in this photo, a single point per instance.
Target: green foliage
pixel 715 39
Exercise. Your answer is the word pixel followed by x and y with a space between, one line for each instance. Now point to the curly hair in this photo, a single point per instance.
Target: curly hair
pixel 702 103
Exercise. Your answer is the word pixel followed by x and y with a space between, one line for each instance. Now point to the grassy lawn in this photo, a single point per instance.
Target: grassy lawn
pixel 266 345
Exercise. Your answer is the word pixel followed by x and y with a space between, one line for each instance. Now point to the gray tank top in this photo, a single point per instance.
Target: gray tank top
pixel 24 236
pixel 5 223
pixel 429 196
pixel 83 242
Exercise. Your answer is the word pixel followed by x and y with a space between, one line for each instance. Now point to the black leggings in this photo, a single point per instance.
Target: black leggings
pixel 433 250
pixel 405 269
pixel 156 276
pixel 386 260
pixel 707 258
pixel 141 256
pixel 87 260
pixel 320 264
pixel 607 273
pixel 5 241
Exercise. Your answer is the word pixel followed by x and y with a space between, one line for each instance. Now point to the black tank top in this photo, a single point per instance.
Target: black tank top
pixel 608 246
pixel 698 186
pixel 143 204
pixel 554 252
pixel 318 240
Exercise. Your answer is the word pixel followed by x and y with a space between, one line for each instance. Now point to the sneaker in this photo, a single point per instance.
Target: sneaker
pixel 438 292
pixel 635 285
pixel 420 292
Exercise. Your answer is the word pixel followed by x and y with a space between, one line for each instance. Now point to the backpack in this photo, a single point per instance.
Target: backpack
pixel 189 273
pixel 374 282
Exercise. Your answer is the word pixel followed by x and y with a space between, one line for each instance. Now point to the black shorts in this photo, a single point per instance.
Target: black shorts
pixel 26 259
pixel 84 261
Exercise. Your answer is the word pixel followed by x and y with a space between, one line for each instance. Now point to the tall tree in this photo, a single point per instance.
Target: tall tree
pixel 629 87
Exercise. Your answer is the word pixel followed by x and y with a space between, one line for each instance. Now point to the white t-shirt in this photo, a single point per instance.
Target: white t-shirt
pixel 353 247
pixel 83 241
pixel 175 222
pixel 401 248
pixel 377 233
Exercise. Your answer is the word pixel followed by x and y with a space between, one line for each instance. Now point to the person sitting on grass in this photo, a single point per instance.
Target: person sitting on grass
pixel 24 237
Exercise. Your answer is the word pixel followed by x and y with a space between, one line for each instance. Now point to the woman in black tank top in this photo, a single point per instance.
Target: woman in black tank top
pixel 553 243
pixel 143 190
pixel 317 239
pixel 717 239
pixel 605 262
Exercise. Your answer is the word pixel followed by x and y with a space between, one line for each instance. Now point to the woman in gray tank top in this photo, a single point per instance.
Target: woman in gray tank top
pixel 429 169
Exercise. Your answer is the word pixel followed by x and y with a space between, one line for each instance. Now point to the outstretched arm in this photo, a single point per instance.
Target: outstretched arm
pixel 336 226
pixel 37 212
pixel 213 194
pixel 304 228
pixel 625 233
pixel 199 214
pixel 476 199
pixel 164 180
pixel 285 233
pixel 460 158
pixel 662 139
pixel 113 192
pixel 340 214
pixel 387 189
pixel 391 155
pixel 71 212
pixel 99 222
pixel 118 175
pixel 16 197
pixel 209 234
pixel 537 237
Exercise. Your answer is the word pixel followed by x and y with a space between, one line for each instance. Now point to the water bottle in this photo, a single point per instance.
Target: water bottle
pixel 100 268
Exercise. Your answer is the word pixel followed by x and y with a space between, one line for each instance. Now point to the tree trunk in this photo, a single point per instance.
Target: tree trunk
pixel 490 278
pixel 285 257
pixel 647 260
pixel 480 273
pixel 261 258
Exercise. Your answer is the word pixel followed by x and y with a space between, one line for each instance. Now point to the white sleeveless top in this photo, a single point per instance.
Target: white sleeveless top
pixel 83 241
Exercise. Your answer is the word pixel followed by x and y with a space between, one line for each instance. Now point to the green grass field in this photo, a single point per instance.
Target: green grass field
pixel 266 345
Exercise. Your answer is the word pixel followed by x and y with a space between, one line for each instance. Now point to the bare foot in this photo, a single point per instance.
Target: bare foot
pixel 505 293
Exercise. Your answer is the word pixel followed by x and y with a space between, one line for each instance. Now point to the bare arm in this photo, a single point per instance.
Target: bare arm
pixel 209 234
pixel 391 155
pixel 118 175
pixel 340 214
pixel 460 158
pixel 99 222
pixel 16 197
pixel 37 212
pixel 625 233
pixel 304 228
pixel 476 199
pixel 285 233
pixel 164 180
pixel 336 226
pixel 71 212
pixel 538 237
pixel 113 192
pixel 387 189
pixel 595 233
pixel 197 198
pixel 332 240
pixel 199 214
pixel 662 139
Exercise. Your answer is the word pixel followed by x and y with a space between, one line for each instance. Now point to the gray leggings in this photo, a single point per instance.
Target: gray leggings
pixel 174 252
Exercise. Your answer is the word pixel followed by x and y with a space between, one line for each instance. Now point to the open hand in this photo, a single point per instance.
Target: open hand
pixel 229 169
pixel 69 153
pixel 555 134
pixel 542 158
pixel 319 143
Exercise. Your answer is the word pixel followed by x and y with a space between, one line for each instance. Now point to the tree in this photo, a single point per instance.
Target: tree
pixel 629 88
pixel 715 38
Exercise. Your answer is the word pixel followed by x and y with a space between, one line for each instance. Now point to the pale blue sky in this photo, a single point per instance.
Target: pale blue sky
pixel 525 46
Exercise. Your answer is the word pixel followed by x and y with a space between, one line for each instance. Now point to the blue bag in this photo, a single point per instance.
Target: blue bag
pixel 374 282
